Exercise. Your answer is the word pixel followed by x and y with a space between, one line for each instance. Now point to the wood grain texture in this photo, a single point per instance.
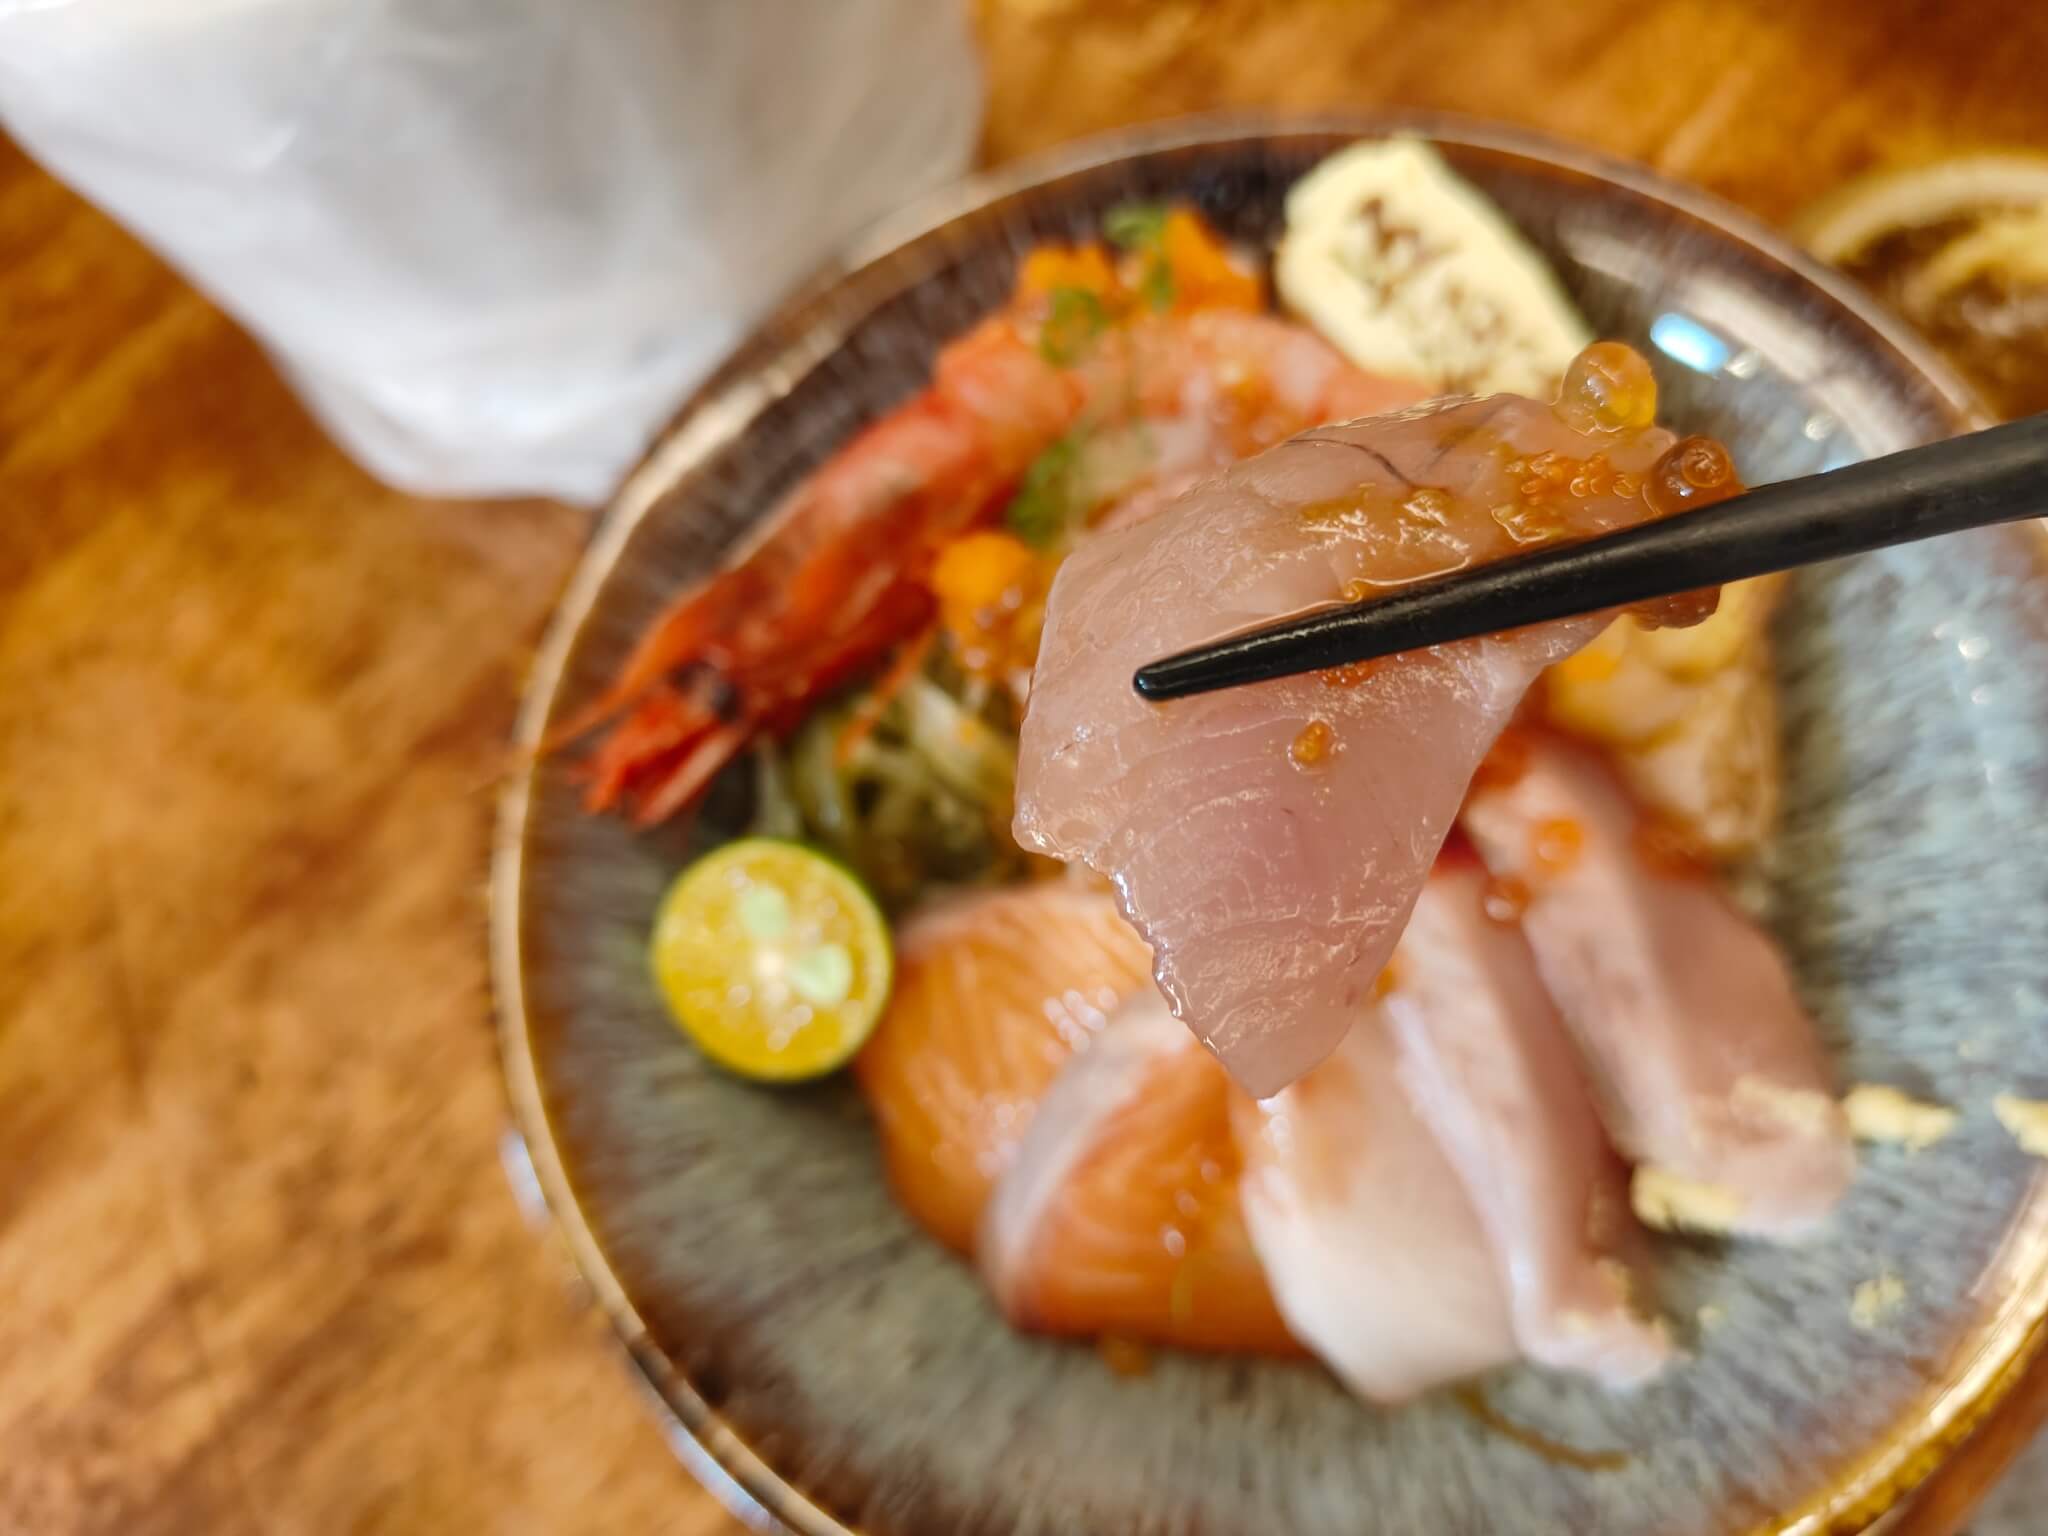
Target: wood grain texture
pixel 262 1270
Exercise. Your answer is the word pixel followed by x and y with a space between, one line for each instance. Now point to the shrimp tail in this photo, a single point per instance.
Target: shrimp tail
pixel 685 630
pixel 681 784
pixel 662 724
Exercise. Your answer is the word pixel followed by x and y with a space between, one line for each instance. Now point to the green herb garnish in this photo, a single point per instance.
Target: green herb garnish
pixel 1136 226
pixel 1140 228
pixel 1156 286
pixel 1077 318
pixel 1044 507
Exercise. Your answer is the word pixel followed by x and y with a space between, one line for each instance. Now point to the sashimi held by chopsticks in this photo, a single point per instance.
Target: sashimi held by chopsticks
pixel 1269 841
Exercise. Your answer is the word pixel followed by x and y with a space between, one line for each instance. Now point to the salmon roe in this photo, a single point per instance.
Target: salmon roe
pixel 1547 483
pixel 1316 742
pixel 1348 674
pixel 1505 899
pixel 1542 484
pixel 1694 472
pixel 1608 388
pixel 1555 844
pixel 1677 611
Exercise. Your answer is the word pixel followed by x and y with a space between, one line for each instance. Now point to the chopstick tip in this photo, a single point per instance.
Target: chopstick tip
pixel 1150 684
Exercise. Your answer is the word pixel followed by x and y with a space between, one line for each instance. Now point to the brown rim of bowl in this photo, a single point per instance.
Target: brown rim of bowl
pixel 703 1440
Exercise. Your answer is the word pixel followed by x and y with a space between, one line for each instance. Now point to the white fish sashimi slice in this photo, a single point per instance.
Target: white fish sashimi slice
pixel 1368 1239
pixel 1491 1070
pixel 1268 841
pixel 1704 1062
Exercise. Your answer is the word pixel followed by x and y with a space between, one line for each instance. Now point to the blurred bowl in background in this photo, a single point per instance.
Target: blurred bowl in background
pixel 1960 248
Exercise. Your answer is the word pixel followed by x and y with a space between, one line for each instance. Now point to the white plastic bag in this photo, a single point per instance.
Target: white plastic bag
pixel 493 241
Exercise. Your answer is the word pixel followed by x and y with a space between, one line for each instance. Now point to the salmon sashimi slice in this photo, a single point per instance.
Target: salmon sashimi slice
pixel 1490 1068
pixel 1120 1215
pixel 1269 840
pixel 993 993
pixel 1369 1240
pixel 1704 1063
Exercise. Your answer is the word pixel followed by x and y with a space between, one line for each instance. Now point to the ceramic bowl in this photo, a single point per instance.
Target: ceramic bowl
pixel 831 1369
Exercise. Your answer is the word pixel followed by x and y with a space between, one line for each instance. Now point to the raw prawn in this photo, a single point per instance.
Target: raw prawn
pixel 1033 406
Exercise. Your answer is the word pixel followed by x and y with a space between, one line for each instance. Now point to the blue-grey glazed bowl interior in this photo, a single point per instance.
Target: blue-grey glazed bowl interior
pixel 831 1366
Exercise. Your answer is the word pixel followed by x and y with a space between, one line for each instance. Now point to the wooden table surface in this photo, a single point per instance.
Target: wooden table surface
pixel 260 1270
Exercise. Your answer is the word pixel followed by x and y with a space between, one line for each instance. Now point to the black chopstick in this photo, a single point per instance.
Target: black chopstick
pixel 1999 475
